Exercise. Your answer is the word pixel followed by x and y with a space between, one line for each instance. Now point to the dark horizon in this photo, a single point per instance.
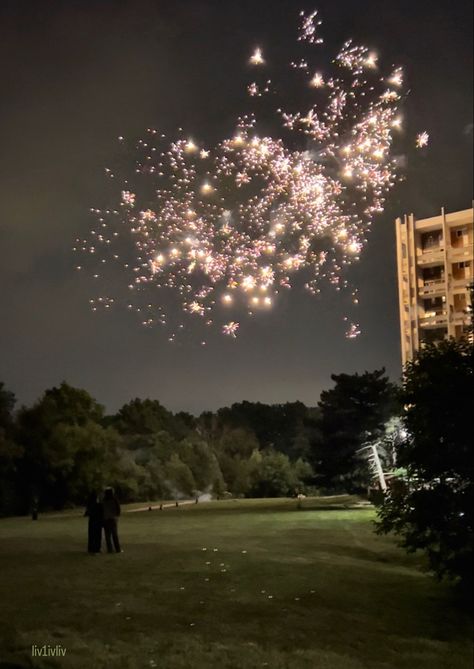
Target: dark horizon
pixel 79 74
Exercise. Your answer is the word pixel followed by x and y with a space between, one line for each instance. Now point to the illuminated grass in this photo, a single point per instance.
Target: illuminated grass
pixel 314 589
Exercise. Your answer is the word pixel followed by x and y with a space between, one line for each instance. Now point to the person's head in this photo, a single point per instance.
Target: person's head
pixel 108 493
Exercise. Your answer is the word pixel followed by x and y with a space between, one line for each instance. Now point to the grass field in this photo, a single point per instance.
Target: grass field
pixel 230 585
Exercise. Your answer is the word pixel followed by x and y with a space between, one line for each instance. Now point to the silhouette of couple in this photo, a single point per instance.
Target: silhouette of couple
pixel 103 511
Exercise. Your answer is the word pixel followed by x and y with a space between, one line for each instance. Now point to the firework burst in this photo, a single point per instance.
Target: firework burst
pixel 422 139
pixel 222 230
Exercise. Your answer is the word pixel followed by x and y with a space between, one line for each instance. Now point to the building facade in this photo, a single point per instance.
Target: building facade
pixel 435 272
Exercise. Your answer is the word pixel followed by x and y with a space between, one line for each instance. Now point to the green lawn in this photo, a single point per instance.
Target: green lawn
pixel 235 584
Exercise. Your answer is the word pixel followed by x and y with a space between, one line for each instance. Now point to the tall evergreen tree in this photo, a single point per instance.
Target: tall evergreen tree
pixel 352 412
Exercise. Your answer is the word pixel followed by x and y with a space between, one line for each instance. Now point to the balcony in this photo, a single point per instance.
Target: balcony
pixel 432 286
pixel 460 253
pixel 460 317
pixel 433 244
pixel 430 251
pixel 461 281
pixel 433 319
pixel 430 248
pixel 430 258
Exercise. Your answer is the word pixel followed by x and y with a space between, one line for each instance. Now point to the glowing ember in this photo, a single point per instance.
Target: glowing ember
pixel 317 81
pixel 353 331
pixel 230 329
pixel 422 139
pixel 257 58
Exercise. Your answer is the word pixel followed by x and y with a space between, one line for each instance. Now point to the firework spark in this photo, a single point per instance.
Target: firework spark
pixel 422 139
pixel 223 230
pixel 230 329
pixel 257 57
pixel 353 331
pixel 309 28
pixel 317 81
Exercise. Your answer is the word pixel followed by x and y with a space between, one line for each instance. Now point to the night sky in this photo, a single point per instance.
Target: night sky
pixel 77 74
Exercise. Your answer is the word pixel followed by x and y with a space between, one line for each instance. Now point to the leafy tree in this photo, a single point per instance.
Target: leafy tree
pixel 179 478
pixel 10 454
pixel 278 426
pixel 277 476
pixel 237 473
pixel 234 449
pixel 142 474
pixel 49 433
pixel 237 442
pixel 7 404
pixel 162 444
pixel 434 511
pixel 207 426
pixel 183 424
pixel 80 458
pixel 352 413
pixel 202 462
pixel 65 404
pixel 303 472
pixel 132 481
pixel 143 417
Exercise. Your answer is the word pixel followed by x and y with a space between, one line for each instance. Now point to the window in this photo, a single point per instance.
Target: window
pixel 463 264
pixel 460 233
pixel 460 301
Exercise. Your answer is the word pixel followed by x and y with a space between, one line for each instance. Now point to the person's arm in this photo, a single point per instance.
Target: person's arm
pixel 117 507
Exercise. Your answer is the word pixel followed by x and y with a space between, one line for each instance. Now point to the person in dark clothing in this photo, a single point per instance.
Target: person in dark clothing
pixel 34 508
pixel 111 515
pixel 94 511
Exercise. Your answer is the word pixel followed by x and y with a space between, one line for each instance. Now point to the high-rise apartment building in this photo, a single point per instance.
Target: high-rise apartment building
pixel 435 271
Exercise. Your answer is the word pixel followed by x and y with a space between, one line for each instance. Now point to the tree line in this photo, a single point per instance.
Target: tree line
pixel 56 451
pixel 65 445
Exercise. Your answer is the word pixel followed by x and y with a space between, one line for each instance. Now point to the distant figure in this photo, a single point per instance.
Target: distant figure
pixel 94 511
pixel 111 515
pixel 34 508
pixel 300 497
